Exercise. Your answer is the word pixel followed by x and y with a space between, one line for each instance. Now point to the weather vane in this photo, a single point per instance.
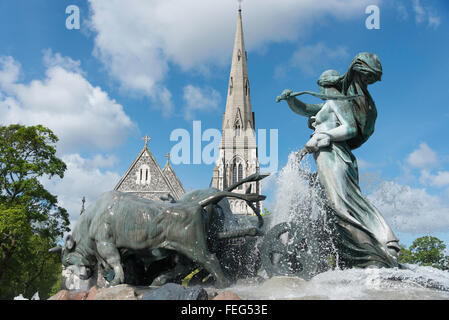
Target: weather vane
pixel 240 4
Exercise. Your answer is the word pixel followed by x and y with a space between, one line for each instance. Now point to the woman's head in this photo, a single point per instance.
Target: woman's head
pixel 367 66
pixel 328 79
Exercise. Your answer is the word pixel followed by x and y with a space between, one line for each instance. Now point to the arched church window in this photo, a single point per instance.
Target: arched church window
pixel 143 175
pixel 234 173
pixel 240 175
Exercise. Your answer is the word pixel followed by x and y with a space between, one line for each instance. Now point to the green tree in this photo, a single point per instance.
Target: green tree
pixel 426 251
pixel 405 255
pixel 31 221
pixel 266 212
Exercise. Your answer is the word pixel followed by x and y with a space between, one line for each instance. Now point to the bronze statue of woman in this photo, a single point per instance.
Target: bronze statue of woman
pixel 343 123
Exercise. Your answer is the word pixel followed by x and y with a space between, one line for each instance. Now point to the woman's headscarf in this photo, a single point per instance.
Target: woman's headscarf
pixel 365 64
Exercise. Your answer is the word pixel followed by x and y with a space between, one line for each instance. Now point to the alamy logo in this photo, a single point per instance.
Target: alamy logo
pixel 73 20
pixel 373 20
pixel 189 148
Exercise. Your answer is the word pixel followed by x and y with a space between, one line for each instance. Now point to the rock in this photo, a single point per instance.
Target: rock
pixel 120 292
pixel 81 295
pixel 227 295
pixel 61 295
pixel 71 281
pixel 92 293
pixel 169 291
pixel 172 291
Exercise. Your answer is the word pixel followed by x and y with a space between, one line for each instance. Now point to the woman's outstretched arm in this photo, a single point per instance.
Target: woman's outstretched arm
pixel 299 107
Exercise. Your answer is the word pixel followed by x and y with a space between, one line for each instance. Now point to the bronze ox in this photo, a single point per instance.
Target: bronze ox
pixel 120 220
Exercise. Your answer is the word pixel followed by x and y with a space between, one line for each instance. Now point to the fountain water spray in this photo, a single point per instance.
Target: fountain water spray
pixel 300 224
pixel 299 201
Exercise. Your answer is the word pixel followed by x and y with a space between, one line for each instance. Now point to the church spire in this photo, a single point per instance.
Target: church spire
pixel 238 148
pixel 238 112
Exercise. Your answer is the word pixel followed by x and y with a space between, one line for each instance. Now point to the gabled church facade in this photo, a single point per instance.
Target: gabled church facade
pixel 146 179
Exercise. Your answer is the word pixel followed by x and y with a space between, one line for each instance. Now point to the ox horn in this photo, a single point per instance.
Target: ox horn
pixel 215 198
pixel 254 177
pixel 57 249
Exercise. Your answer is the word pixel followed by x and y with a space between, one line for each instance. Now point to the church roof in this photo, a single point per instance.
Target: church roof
pixel 173 179
pixel 155 182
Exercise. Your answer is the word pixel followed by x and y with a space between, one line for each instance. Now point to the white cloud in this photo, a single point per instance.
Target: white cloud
pixel 425 14
pixel 402 11
pixel 411 210
pixel 313 59
pixel 420 13
pixel 138 41
pixel 56 60
pixel 100 161
pixel 166 105
pixel 434 21
pixel 9 72
pixel 83 178
pixel 80 114
pixel 365 165
pixel 423 157
pixel 369 181
pixel 441 179
pixel 199 99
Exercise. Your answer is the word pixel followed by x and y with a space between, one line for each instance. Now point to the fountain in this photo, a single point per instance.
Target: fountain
pixel 294 195
pixel 324 239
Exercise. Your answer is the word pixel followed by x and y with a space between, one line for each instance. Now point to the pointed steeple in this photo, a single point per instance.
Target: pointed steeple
pixel 238 148
pixel 238 112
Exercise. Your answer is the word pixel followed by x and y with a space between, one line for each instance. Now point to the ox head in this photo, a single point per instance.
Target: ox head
pixel 72 259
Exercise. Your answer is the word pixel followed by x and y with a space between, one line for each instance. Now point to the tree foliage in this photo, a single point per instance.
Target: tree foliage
pixel 266 212
pixel 426 251
pixel 31 221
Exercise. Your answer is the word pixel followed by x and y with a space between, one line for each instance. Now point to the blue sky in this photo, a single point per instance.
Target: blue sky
pixel 128 70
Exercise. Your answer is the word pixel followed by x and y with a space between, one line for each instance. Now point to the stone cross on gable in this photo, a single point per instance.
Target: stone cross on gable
pixel 168 157
pixel 146 139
